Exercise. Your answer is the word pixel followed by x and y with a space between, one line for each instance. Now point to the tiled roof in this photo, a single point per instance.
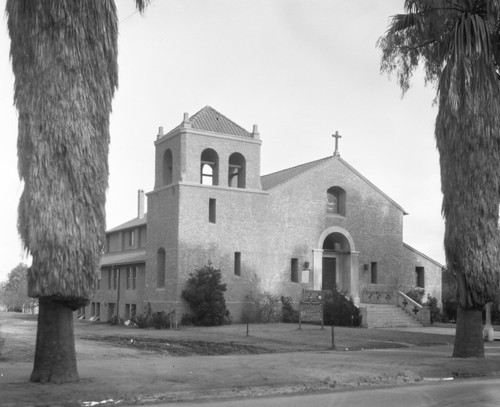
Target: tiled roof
pixel 275 179
pixel 130 224
pixel 209 119
pixel 123 257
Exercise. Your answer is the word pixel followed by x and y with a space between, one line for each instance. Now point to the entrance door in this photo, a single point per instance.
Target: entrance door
pixel 329 273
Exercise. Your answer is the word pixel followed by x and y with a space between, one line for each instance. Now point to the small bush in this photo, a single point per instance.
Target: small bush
pixel 416 294
pixel 268 308
pixel 116 320
pixel 161 320
pixel 187 320
pixel 288 313
pixel 205 294
pixel 435 311
pixel 339 310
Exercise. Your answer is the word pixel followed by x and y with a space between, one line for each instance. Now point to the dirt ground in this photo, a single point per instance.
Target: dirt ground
pixel 123 366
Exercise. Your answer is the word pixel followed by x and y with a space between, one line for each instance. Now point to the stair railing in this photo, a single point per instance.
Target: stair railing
pixel 419 312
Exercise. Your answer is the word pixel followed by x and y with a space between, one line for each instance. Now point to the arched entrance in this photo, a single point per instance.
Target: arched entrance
pixel 335 262
pixel 336 250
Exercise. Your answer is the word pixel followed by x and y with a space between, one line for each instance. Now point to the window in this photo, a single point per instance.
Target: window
pixel 131 237
pixel 236 172
pixel 420 277
pixel 127 312
pixel 133 310
pixel 237 263
pixel 374 272
pixel 115 278
pixel 209 167
pixel 167 175
pixel 160 268
pixel 110 279
pixel 335 202
pixel 131 278
pixel 212 210
pixel 295 270
pixel 99 280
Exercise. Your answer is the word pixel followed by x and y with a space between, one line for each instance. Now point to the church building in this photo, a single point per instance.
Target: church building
pixel 308 227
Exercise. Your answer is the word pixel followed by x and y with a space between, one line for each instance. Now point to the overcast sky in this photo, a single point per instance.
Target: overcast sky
pixel 299 69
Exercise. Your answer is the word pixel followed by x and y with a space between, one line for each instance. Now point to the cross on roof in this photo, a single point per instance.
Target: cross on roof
pixel 336 136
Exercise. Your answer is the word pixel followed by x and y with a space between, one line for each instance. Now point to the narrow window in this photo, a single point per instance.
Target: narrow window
pixel 237 263
pixel 420 277
pixel 167 168
pixel 129 278
pixel 160 268
pixel 92 309
pixel 98 309
pixel 99 279
pixel 295 270
pixel 134 278
pixel 131 237
pixel 212 210
pixel 374 271
pixel 127 311
pixel 115 278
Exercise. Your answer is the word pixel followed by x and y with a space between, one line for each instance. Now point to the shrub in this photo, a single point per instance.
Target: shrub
pixel 115 320
pixel 187 320
pixel 435 311
pixel 268 308
pixel 416 294
pixel 339 310
pixel 288 313
pixel 144 320
pixel 205 294
pixel 161 320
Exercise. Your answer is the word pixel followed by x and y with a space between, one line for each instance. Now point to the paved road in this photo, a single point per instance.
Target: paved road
pixel 481 392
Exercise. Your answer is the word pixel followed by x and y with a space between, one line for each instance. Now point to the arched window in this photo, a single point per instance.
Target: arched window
pixel 335 202
pixel 167 177
pixel 160 268
pixel 209 171
pixel 237 171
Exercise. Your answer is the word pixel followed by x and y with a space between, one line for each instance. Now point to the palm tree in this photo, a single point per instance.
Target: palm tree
pixel 458 44
pixel 64 59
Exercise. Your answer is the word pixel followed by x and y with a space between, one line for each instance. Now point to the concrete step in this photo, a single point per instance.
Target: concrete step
pixel 386 316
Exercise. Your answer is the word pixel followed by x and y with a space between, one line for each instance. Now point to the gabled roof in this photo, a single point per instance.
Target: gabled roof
pixel 209 119
pixel 407 246
pixel 276 179
pixel 130 224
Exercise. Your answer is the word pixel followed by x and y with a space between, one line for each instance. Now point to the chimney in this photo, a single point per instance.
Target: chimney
pixel 140 203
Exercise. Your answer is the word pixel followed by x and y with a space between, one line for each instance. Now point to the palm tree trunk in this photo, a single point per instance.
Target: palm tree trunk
pixel 469 340
pixel 55 359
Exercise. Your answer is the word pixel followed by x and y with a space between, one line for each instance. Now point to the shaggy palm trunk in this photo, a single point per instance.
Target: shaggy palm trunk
pixel 469 334
pixel 55 359
pixel 64 59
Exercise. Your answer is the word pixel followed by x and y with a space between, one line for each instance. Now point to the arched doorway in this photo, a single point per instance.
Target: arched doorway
pixel 336 250
pixel 335 262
